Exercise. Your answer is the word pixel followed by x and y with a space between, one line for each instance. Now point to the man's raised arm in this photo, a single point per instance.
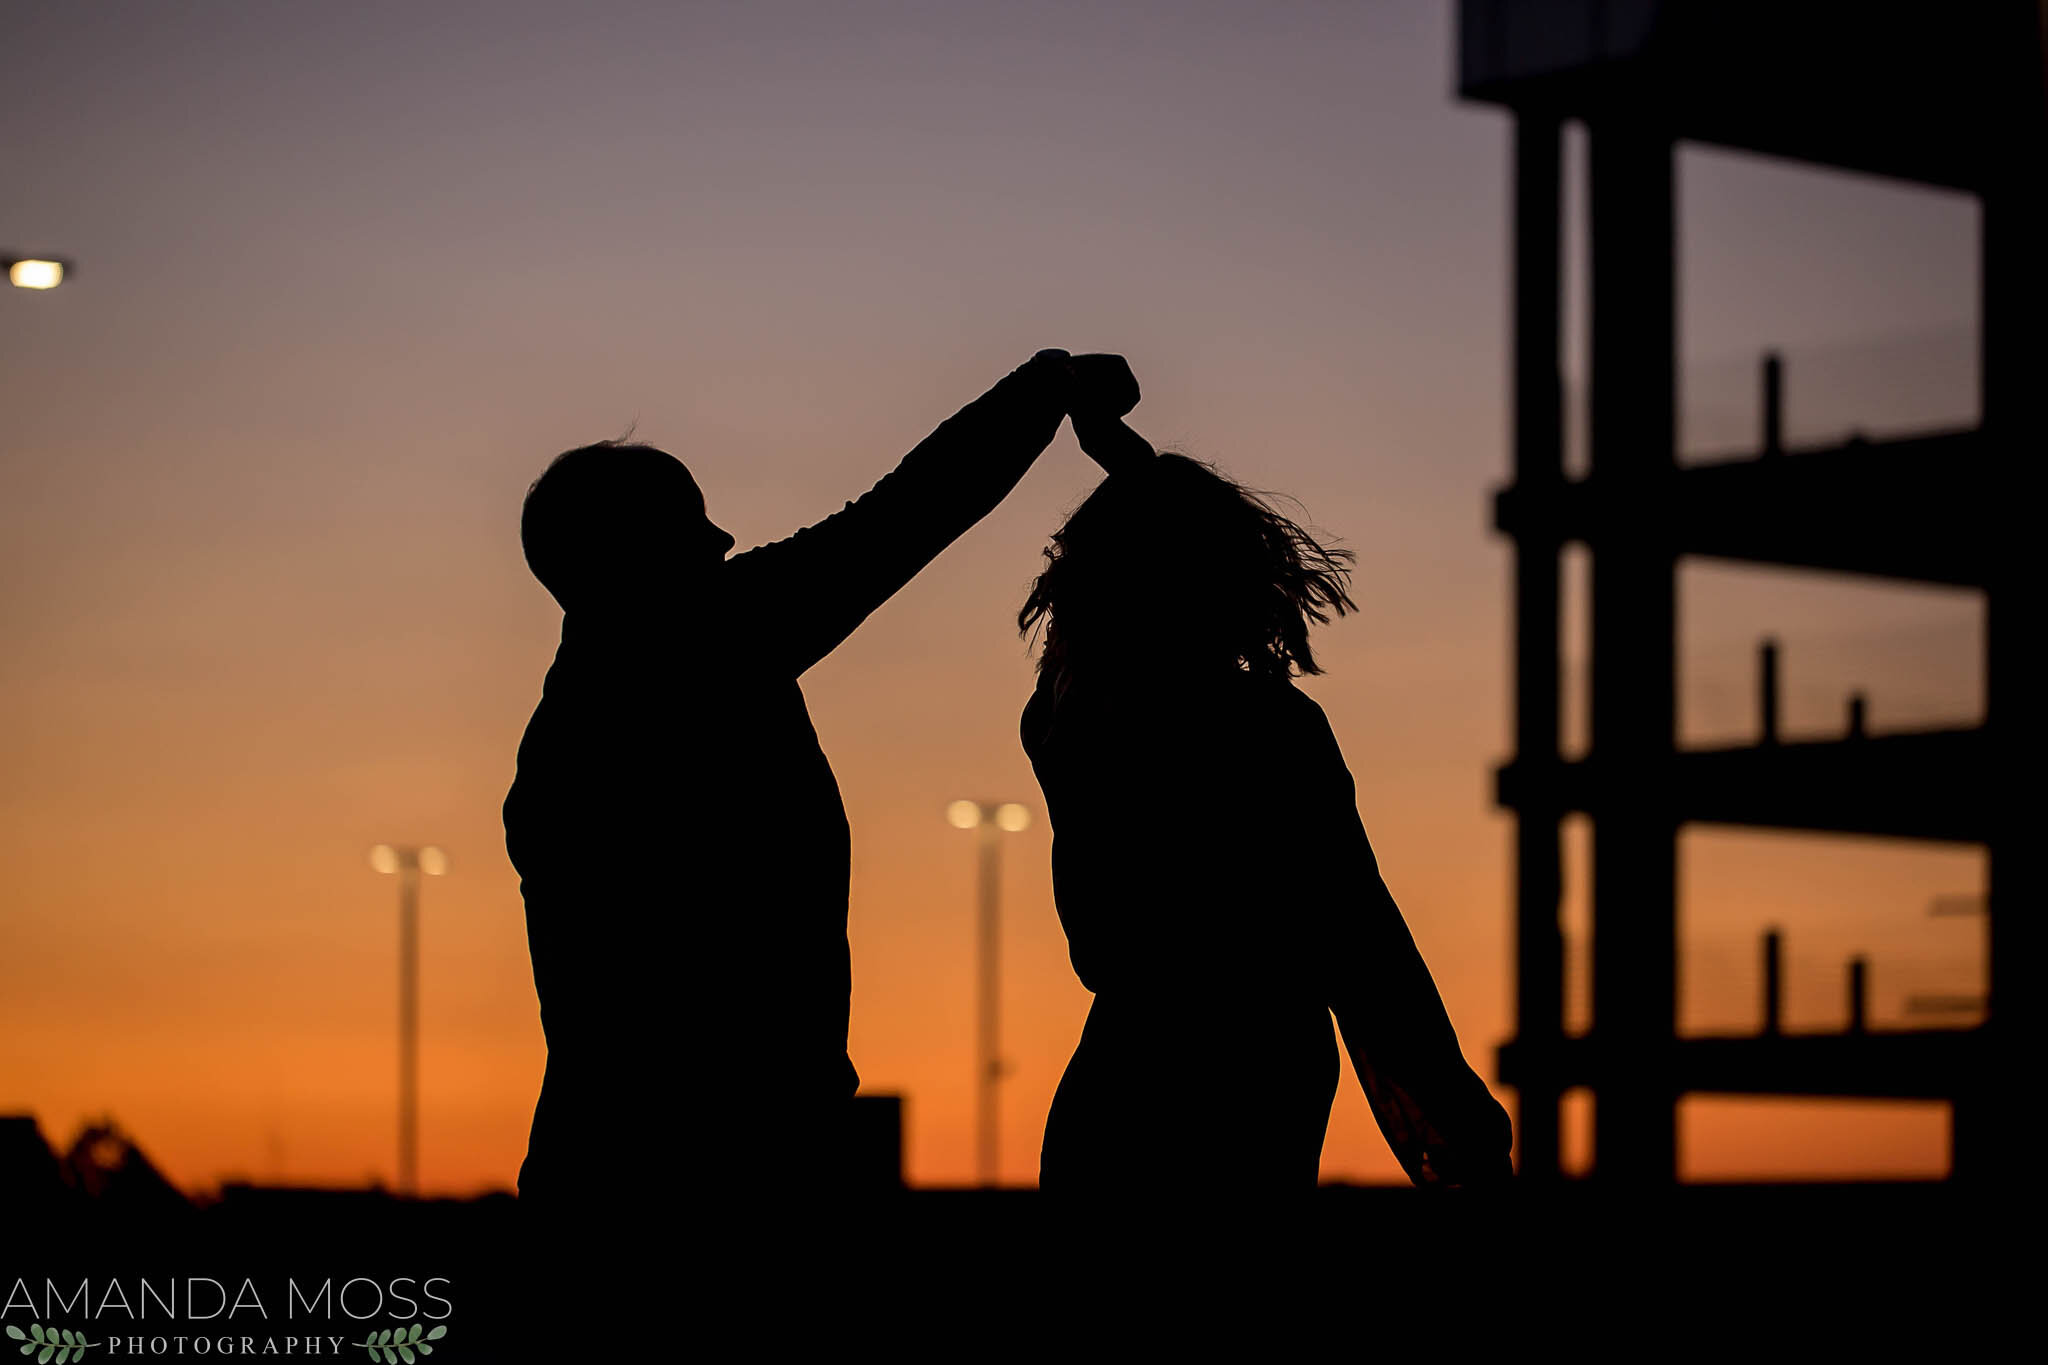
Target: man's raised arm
pixel 808 592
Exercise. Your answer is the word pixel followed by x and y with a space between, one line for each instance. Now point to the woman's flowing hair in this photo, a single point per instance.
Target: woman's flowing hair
pixel 1176 556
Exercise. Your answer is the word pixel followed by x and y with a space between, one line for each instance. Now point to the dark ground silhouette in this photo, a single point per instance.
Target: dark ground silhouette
pixel 929 1273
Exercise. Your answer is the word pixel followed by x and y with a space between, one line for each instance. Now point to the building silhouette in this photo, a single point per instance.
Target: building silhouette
pixel 1942 95
pixel 102 1167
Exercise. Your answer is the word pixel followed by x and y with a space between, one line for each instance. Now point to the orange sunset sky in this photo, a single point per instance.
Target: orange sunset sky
pixel 349 275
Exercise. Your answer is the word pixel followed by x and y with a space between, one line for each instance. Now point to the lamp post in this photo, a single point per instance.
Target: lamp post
pixel 408 862
pixel 35 272
pixel 993 820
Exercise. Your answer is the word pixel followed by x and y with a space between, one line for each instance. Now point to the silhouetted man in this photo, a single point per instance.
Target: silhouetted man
pixel 679 835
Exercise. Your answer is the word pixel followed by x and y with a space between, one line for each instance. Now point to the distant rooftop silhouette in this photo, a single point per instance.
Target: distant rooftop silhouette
pixel 102 1166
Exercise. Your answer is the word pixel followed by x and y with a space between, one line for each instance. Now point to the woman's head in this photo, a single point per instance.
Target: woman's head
pixel 1171 564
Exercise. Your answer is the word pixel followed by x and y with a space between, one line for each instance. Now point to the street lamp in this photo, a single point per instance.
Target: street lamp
pixel 409 863
pixel 35 272
pixel 993 820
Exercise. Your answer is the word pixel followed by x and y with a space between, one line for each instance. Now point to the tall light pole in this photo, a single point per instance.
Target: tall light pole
pixel 408 863
pixel 993 820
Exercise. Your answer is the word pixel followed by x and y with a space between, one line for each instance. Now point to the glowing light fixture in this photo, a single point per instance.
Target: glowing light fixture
pixel 32 273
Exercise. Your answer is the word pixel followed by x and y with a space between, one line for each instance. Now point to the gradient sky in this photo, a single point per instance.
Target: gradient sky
pixel 349 275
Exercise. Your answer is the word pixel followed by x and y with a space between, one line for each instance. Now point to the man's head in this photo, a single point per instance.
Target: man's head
pixel 615 523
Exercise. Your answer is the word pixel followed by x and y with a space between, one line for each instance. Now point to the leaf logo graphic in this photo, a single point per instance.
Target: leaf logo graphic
pixel 51 1345
pixel 402 1345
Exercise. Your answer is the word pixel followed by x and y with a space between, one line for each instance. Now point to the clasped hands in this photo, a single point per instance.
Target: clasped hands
pixel 1101 391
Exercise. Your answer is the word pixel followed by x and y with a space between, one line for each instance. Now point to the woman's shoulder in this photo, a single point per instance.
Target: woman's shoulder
pixel 1277 696
pixel 1270 705
pixel 1294 724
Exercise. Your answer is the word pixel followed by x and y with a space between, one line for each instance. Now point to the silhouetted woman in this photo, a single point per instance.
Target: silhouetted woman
pixel 1218 893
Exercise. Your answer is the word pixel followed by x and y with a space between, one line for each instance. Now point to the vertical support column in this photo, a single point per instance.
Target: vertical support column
pixel 988 1017
pixel 1774 983
pixel 1634 325
pixel 1774 404
pixel 2014 354
pixel 1539 471
pixel 409 1023
pixel 1767 692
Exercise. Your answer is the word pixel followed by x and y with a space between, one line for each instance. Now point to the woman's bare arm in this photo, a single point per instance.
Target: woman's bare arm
pixel 1435 1112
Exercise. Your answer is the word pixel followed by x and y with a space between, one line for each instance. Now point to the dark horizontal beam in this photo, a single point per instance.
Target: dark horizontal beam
pixel 1914 509
pixel 1900 90
pixel 1920 1064
pixel 1927 785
